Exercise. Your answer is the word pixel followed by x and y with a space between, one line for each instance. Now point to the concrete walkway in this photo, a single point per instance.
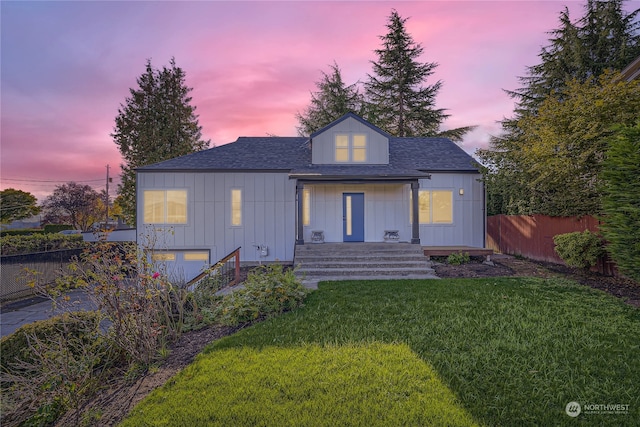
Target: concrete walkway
pixel 28 310
pixel 18 313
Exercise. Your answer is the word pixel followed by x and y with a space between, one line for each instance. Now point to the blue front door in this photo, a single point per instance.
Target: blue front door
pixel 353 217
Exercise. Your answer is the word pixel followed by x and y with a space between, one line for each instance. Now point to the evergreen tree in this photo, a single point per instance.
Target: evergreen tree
pixel 156 123
pixel 604 38
pixel 332 100
pixel 579 52
pixel 398 100
pixel 621 187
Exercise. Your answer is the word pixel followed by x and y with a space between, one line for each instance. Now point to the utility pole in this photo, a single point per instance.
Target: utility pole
pixel 106 203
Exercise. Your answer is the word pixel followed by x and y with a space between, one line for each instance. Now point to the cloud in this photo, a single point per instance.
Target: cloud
pixel 67 67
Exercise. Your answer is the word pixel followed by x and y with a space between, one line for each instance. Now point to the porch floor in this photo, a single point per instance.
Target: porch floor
pixel 430 251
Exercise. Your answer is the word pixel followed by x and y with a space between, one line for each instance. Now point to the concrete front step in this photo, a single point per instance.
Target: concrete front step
pixel 362 264
pixel 359 249
pixel 311 282
pixel 348 261
pixel 392 272
pixel 377 257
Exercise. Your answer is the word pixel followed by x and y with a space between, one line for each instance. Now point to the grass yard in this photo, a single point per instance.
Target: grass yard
pixel 461 352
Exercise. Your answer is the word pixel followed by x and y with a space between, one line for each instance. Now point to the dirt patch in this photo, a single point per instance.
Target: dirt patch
pixel 112 404
pixel 625 289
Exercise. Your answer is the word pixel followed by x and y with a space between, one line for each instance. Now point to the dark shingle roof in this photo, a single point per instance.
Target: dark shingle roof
pixel 430 154
pixel 408 157
pixel 247 153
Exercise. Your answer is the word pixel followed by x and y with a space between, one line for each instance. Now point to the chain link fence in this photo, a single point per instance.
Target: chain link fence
pixel 14 276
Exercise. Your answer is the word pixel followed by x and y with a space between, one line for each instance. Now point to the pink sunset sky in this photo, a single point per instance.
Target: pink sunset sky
pixel 67 67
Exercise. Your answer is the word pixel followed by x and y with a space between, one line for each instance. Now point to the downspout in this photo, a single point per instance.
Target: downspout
pixel 484 215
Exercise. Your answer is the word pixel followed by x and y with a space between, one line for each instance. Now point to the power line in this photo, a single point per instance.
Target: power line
pixel 14 207
pixel 50 181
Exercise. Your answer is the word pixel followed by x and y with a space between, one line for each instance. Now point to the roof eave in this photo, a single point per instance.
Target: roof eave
pixel 211 170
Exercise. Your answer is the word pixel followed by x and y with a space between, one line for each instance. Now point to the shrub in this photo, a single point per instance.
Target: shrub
pixel 21 232
pixel 16 245
pixel 458 258
pixel 579 249
pixel 621 200
pixel 56 228
pixel 268 291
pixel 50 366
pixel 15 346
pixel 145 308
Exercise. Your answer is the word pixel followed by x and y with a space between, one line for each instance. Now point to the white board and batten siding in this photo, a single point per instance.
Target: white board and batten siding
pixel 467 228
pixel 388 207
pixel 268 214
pixel 323 145
pixel 384 210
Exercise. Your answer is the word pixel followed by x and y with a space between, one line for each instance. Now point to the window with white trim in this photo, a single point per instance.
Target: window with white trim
pixel 163 256
pixel 351 148
pixel 236 207
pixel 434 206
pixel 196 256
pixel 306 206
pixel 164 206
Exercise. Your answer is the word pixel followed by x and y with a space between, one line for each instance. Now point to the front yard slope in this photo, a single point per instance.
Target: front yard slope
pixel 504 351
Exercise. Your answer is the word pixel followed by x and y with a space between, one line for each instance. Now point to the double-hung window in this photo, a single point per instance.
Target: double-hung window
pixel 165 206
pixel 351 148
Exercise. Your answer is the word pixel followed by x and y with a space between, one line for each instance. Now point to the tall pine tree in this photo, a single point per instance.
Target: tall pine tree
pixel 579 52
pixel 398 100
pixel 156 123
pixel 332 100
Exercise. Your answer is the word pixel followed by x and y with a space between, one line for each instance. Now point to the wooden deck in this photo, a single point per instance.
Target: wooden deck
pixel 430 251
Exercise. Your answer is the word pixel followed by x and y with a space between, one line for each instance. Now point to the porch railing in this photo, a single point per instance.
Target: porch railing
pixel 226 271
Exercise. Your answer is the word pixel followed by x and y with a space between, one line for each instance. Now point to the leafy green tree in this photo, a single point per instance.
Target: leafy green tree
pixel 605 38
pixel 156 123
pixel 75 204
pixel 17 204
pixel 579 52
pixel 398 100
pixel 621 200
pixel 555 164
pixel 332 100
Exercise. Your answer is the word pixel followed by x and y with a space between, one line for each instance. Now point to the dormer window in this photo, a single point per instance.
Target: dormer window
pixel 342 148
pixel 351 148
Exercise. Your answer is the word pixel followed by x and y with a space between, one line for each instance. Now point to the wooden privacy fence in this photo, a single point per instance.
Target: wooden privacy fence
pixel 47 266
pixel 531 236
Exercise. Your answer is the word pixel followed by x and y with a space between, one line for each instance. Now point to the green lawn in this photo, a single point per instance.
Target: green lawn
pixel 507 351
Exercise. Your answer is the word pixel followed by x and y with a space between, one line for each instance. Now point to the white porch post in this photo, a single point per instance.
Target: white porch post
pixel 300 230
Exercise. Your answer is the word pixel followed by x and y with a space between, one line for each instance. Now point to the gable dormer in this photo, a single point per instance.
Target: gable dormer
pixel 350 140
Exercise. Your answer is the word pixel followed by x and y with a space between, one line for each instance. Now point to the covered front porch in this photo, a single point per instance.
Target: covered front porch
pixel 338 209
